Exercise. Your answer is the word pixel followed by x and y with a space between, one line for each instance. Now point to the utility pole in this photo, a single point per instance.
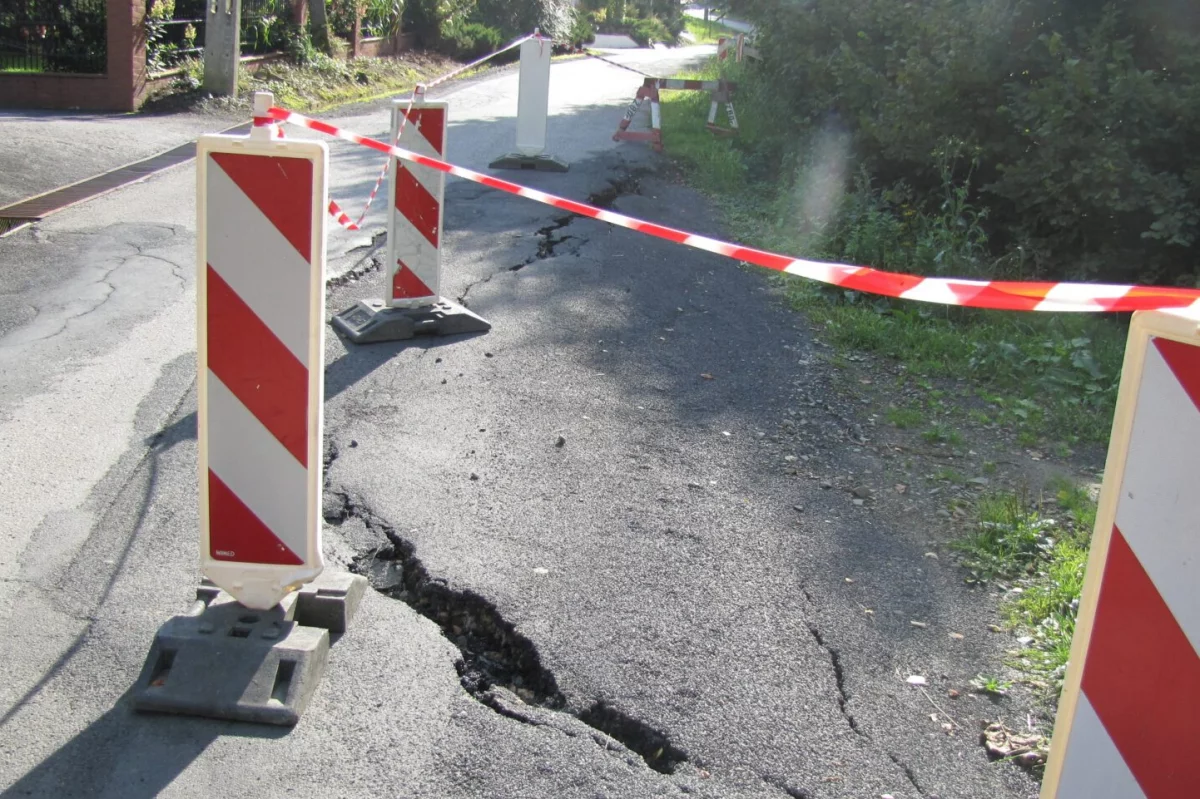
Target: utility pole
pixel 222 46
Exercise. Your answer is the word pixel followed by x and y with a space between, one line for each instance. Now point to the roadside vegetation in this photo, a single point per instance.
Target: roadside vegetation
pixel 1036 552
pixel 706 32
pixel 1020 140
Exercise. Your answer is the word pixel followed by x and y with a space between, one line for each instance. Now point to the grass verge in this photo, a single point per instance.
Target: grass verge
pixel 1038 558
pixel 706 32
pixel 323 84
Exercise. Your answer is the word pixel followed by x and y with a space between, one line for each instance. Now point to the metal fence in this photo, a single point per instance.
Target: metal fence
pixel 53 36
pixel 175 30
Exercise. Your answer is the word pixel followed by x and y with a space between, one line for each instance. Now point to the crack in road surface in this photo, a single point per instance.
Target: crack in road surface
pixel 497 661
pixel 839 677
pixel 547 247
pixel 629 183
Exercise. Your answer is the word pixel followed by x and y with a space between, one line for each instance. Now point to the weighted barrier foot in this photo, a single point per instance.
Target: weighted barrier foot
pixel 540 163
pixel 370 321
pixel 224 660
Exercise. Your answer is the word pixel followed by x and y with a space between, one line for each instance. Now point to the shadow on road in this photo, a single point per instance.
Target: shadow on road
pixel 128 755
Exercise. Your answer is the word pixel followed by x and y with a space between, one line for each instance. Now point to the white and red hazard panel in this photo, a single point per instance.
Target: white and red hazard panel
pixel 412 303
pixel 260 322
pixel 417 193
pixel 1127 721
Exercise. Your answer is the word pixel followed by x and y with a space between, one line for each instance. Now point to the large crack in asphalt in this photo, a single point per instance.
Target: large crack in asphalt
pixel 498 665
pixel 548 246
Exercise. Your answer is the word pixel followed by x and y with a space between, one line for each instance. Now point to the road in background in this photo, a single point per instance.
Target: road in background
pixel 734 24
pixel 608 561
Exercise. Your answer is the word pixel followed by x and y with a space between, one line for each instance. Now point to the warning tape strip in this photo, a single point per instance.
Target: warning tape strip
pixel 335 210
pixel 590 54
pixel 995 294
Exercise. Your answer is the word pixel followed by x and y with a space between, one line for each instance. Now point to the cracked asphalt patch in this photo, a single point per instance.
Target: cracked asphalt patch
pixel 599 497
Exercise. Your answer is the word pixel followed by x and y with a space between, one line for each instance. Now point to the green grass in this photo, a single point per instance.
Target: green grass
pixel 941 434
pixel 904 418
pixel 706 32
pixel 991 685
pixel 1043 555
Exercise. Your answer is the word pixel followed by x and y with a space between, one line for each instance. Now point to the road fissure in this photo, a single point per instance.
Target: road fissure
pixel 498 665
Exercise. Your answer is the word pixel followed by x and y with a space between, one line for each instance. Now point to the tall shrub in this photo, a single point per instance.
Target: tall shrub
pixel 1079 119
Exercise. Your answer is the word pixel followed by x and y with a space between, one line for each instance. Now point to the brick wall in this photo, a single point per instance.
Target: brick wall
pixel 121 88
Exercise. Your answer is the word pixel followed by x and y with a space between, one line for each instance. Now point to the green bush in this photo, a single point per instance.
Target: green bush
pixel 472 40
pixel 1077 122
pixel 582 31
pixel 647 31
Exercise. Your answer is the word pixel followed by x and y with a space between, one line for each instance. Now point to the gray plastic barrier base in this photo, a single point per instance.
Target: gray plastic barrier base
pixel 224 660
pixel 370 321
pixel 541 163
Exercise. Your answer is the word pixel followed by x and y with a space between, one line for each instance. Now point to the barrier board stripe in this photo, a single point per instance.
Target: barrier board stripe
pixel 406 284
pixel 266 477
pixel 257 369
pixel 238 535
pixel 278 186
pixel 1092 766
pixel 418 206
pixel 1011 295
pixel 1184 363
pixel 276 283
pixel 1155 515
pixel 428 122
pixel 1146 696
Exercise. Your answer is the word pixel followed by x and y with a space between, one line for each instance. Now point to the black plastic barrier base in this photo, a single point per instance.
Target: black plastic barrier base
pixel 540 163
pixel 370 321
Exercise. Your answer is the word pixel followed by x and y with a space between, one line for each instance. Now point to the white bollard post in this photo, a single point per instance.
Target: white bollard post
pixel 222 46
pixel 533 109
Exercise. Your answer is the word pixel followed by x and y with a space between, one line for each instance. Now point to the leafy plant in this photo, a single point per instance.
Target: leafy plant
pixel 1008 538
pixel 158 50
pixel 383 17
pixel 991 685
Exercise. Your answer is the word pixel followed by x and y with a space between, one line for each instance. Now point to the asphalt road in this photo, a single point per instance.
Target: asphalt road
pixel 639 610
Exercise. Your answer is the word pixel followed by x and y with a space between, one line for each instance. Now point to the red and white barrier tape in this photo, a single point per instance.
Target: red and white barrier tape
pixel 590 54
pixel 996 294
pixel 335 210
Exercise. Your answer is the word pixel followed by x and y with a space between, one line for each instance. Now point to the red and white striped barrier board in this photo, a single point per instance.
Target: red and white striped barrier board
pixel 995 294
pixel 722 94
pixel 685 84
pixel 1126 723
pixel 260 322
pixel 647 91
pixel 737 44
pixel 722 90
pixel 415 221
